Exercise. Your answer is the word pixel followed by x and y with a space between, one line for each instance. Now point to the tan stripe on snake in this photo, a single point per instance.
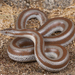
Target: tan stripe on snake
pixel 50 56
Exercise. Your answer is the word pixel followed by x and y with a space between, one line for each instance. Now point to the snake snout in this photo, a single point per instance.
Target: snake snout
pixel 2 32
pixel 5 31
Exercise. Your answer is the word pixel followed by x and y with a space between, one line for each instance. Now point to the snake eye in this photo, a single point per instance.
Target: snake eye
pixel 6 32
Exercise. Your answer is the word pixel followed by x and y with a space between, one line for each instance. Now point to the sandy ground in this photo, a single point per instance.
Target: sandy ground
pixel 8 19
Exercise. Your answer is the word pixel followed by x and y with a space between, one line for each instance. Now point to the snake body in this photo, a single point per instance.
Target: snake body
pixel 40 45
pixel 61 54
pixel 62 24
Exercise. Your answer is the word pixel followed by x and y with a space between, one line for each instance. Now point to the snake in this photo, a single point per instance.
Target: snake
pixel 50 57
pixel 48 26
pixel 40 45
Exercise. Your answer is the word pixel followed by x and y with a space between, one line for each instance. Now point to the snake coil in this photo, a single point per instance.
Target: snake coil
pixel 40 45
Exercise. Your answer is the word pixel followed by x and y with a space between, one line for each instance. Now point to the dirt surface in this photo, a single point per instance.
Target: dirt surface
pixel 8 19
pixel 48 4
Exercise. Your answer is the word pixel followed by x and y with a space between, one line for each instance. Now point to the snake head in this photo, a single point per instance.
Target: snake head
pixel 7 31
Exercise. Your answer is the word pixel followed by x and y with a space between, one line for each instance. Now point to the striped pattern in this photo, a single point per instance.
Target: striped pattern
pixel 40 45
pixel 56 64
